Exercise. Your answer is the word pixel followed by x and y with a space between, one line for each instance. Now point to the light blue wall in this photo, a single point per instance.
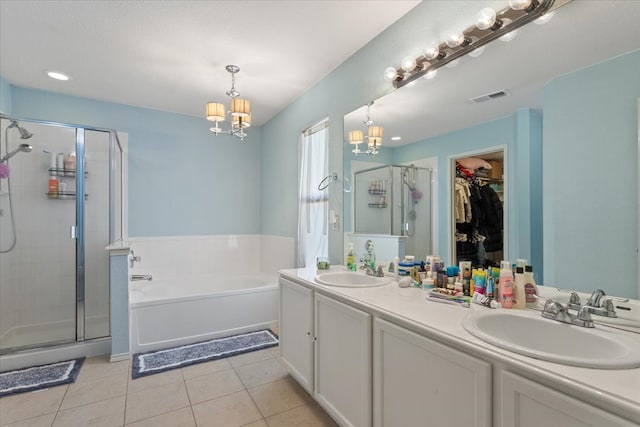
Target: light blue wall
pixel 5 97
pixel 182 179
pixel 519 133
pixel 590 177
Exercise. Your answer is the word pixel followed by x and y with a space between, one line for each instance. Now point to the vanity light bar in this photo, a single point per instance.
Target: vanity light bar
pixel 507 20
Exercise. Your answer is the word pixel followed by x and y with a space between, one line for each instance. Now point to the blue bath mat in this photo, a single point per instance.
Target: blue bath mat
pixel 158 361
pixel 38 377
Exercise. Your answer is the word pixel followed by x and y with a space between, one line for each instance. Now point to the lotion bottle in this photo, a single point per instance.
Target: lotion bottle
pixel 530 288
pixel 505 285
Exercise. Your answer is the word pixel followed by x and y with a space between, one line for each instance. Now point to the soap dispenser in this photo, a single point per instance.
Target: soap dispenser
pixel 351 258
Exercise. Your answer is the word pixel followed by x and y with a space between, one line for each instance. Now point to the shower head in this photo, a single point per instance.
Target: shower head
pixel 24 134
pixel 22 148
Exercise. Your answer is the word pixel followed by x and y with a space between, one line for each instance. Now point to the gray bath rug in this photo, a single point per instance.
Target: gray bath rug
pixel 38 377
pixel 158 361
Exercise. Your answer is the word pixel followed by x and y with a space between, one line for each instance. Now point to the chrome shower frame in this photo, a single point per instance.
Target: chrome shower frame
pixel 115 186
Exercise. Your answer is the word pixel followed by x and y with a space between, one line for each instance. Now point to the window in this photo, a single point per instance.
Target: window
pixel 313 204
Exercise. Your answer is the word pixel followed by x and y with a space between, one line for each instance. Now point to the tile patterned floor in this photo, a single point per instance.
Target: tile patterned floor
pixel 252 390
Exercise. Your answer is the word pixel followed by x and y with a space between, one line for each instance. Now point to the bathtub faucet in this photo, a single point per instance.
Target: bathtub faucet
pixel 136 277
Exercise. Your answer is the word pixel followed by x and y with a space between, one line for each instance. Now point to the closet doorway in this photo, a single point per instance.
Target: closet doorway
pixel 478 217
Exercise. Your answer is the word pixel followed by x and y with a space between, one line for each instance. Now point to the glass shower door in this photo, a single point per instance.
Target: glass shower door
pixel 37 274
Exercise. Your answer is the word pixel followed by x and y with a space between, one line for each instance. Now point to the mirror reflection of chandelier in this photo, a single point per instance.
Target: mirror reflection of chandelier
pixel 374 136
pixel 240 110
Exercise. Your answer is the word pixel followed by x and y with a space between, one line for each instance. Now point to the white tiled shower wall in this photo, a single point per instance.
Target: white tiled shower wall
pixel 186 257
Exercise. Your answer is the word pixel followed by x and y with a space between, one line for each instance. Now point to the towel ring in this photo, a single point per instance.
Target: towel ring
pixel 327 180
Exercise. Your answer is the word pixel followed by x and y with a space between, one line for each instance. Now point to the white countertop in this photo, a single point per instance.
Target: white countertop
pixel 617 391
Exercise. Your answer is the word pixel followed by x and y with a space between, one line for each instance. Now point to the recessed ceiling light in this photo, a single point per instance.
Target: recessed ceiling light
pixel 396 138
pixel 57 75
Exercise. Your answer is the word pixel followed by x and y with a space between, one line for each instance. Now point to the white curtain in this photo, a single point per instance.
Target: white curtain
pixel 313 204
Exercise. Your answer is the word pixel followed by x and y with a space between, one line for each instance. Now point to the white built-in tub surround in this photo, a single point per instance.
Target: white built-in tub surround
pixel 204 287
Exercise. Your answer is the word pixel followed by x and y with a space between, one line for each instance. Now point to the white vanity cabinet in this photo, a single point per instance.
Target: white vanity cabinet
pixel 326 346
pixel 525 403
pixel 296 332
pixel 420 382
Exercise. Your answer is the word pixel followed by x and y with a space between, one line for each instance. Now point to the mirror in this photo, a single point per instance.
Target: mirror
pixel 438 121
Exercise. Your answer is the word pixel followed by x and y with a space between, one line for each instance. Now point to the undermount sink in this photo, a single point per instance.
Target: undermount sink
pixel 350 279
pixel 529 334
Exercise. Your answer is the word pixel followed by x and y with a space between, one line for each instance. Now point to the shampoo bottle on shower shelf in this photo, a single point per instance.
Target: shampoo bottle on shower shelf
pixel 53 187
pixel 351 258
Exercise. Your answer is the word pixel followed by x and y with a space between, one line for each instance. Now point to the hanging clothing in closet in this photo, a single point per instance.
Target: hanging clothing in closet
pixel 479 218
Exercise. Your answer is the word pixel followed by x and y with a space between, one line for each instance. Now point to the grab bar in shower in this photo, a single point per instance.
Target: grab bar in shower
pixel 136 277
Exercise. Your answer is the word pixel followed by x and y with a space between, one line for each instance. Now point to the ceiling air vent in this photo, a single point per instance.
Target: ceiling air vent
pixel 489 96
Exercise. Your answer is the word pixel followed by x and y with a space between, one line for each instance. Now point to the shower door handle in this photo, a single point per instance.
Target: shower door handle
pixel 74 232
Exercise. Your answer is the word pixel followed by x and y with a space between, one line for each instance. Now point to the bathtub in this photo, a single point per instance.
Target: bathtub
pixel 177 312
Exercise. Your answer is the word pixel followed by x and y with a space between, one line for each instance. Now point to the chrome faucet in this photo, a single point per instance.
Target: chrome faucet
pixel 598 303
pixel 556 311
pixel 370 271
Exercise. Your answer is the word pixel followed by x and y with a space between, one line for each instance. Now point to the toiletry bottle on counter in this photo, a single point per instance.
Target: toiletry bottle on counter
pixel 351 258
pixel 530 288
pixel 505 284
pixel 519 294
pixel 427 283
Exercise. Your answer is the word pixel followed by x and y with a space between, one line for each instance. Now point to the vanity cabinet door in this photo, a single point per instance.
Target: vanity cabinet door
pixel 420 382
pixel 296 331
pixel 528 404
pixel 343 361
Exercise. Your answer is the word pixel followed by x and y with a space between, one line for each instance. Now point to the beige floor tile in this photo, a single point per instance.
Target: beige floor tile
pixel 310 415
pixel 180 418
pixel 260 423
pixel 108 413
pixel 90 391
pixel 229 411
pixel 261 372
pixel 205 368
pixel 213 386
pixel 163 378
pixel 252 357
pixel 279 396
pixel 29 405
pixel 43 421
pixel 99 367
pixel 156 401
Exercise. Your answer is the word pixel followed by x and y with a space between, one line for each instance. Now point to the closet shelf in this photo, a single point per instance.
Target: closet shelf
pixel 378 192
pixel 377 205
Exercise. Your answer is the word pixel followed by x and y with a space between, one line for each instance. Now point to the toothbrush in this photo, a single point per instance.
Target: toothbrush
pixel 459 303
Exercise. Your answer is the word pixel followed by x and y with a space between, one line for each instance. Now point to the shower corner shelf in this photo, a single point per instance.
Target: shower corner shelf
pixel 64 173
pixel 64 195
pixel 378 192
pixel 377 205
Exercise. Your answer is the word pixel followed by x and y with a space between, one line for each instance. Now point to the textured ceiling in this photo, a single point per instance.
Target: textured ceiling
pixel 170 55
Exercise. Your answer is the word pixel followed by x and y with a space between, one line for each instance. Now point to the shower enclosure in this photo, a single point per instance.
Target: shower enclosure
pixel 395 200
pixel 60 206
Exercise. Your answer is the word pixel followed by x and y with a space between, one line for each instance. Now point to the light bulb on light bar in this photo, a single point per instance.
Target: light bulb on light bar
pixel 432 51
pixel 454 38
pixel 519 4
pixel 408 63
pixel 390 73
pixel 486 18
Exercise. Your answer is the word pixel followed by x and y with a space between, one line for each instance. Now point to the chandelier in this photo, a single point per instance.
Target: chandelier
pixel 374 136
pixel 240 110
